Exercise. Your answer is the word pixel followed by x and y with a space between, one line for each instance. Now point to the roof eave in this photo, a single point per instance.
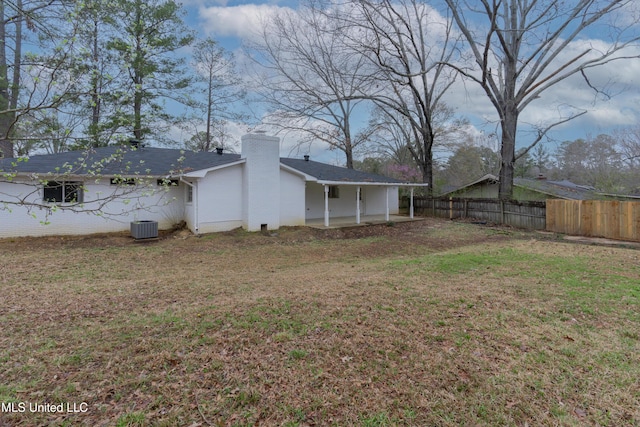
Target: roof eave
pixel 298 172
pixel 201 173
pixel 378 183
pixel 81 176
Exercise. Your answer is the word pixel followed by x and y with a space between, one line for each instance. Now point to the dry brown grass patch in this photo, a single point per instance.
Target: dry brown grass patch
pixel 431 323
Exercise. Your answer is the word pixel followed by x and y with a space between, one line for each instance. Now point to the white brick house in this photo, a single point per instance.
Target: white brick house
pixel 104 190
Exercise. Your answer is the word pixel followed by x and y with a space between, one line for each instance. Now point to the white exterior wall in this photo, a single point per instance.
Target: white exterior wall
pixel 261 182
pixel 150 203
pixel 314 195
pixel 189 207
pixel 292 199
pixel 219 200
pixel 373 201
pixel 376 200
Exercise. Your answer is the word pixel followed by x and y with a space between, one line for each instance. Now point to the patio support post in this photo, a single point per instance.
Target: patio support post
pixel 386 213
pixel 326 205
pixel 411 204
pixel 358 205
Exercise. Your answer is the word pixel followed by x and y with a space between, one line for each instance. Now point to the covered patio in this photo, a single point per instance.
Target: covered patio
pixel 384 204
pixel 335 196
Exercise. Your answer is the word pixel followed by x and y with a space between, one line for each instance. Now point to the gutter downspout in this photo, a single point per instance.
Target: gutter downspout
pixel 196 226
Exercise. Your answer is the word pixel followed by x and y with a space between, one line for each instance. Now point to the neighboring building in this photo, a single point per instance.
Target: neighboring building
pixel 107 188
pixel 525 189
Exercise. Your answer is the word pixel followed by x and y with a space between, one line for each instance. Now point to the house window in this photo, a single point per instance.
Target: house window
pixel 63 192
pixel 189 194
pixel 334 192
pixel 123 181
pixel 168 182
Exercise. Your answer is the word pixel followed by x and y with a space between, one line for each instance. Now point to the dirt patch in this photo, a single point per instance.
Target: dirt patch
pixel 405 232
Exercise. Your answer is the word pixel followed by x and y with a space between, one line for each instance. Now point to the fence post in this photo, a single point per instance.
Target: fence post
pixel 501 211
pixel 450 207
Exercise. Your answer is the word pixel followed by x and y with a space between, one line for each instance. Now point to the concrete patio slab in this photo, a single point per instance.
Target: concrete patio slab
pixel 343 222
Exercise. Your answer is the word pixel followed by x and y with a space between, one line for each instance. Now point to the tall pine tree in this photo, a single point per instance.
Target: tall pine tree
pixel 149 34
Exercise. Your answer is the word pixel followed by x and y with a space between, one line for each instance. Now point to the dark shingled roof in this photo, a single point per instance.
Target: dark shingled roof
pixel 150 161
pixel 119 160
pixel 563 189
pixel 325 172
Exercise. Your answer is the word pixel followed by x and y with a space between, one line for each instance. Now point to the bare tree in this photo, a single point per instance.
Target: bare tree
pixel 629 141
pixel 30 82
pixel 215 72
pixel 218 134
pixel 310 79
pixel 526 47
pixel 408 43
pixel 391 136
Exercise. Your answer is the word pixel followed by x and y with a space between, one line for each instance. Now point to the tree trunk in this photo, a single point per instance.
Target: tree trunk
pixel 17 63
pixel 507 152
pixel 509 113
pixel 427 160
pixel 138 75
pixel 427 177
pixel 6 118
pixel 427 171
pixel 207 146
pixel 349 155
pixel 348 145
pixel 137 106
pixel 137 115
pixel 96 101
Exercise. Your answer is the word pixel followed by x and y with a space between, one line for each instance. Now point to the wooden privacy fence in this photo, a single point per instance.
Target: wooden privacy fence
pixel 597 218
pixel 525 214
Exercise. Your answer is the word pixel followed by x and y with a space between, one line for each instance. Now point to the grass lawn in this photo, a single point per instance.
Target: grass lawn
pixel 433 323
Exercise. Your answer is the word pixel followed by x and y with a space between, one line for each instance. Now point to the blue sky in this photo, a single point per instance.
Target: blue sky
pixel 231 22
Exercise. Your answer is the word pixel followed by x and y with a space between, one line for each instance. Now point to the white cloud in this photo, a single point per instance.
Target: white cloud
pixel 235 21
